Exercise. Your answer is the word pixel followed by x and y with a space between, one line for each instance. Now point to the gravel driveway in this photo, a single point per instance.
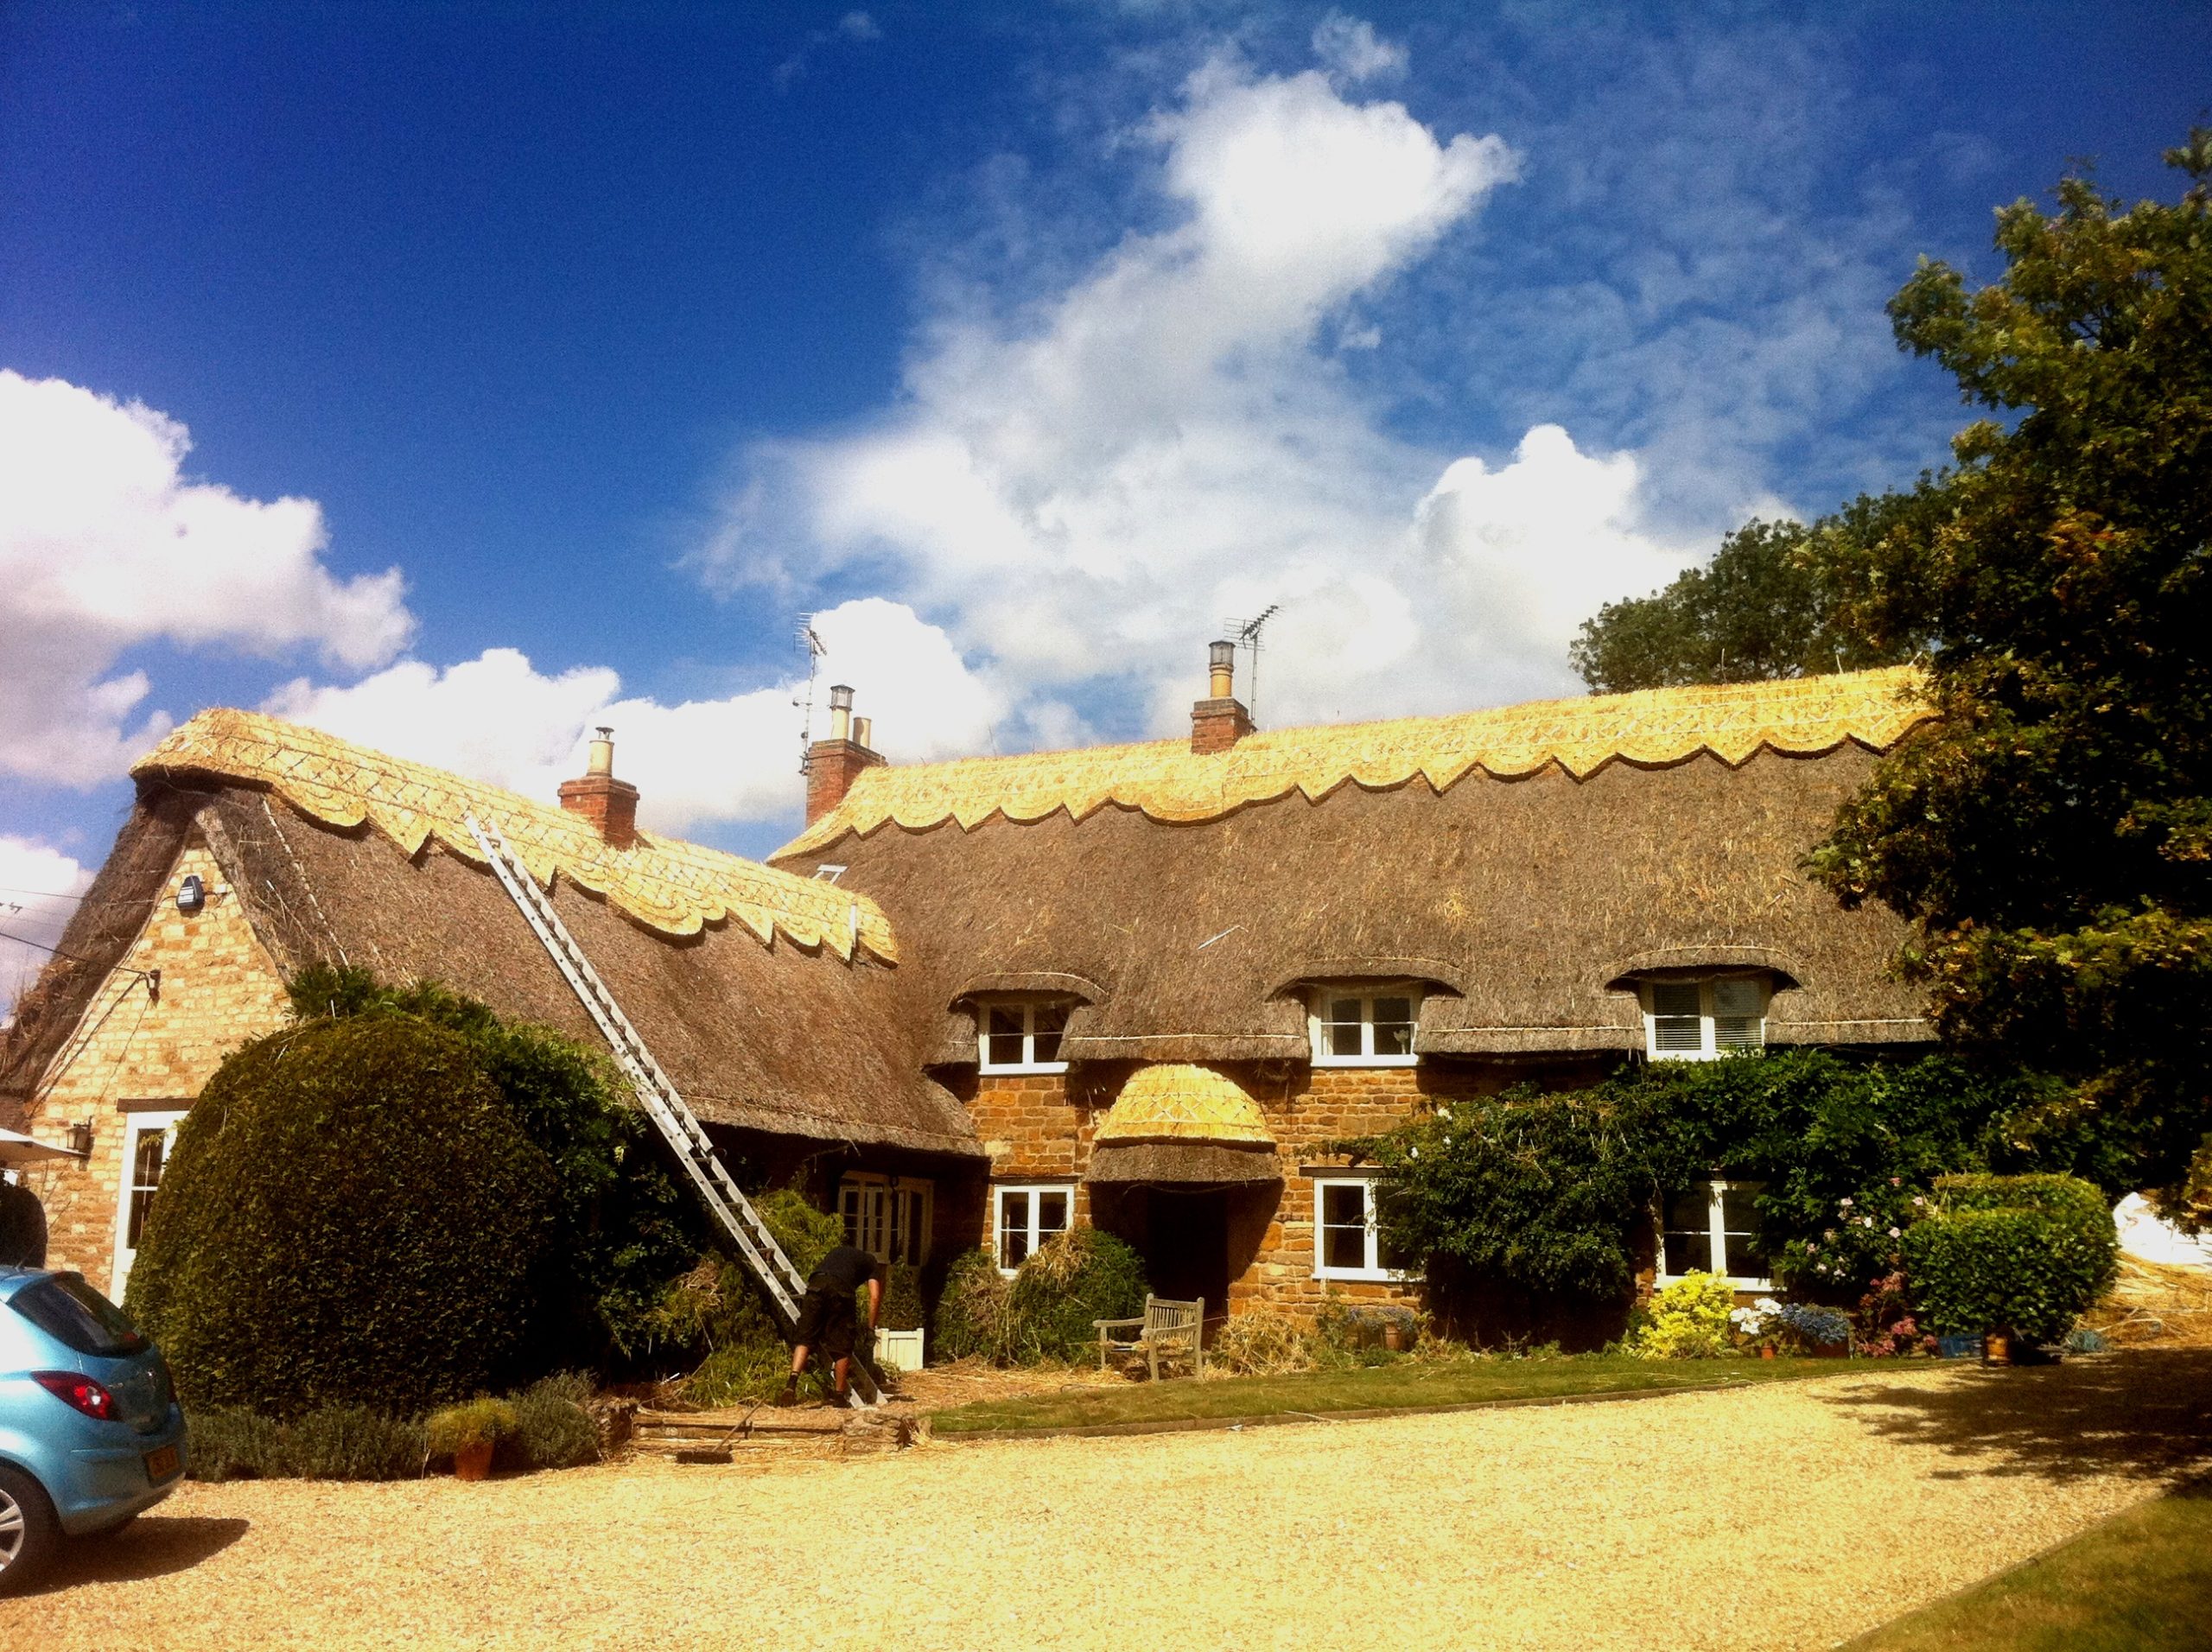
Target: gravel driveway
pixel 1788 1515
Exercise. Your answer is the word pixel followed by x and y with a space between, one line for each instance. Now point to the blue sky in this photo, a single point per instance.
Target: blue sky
pixel 592 345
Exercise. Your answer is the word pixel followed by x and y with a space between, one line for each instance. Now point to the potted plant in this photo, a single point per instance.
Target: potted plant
pixel 469 1435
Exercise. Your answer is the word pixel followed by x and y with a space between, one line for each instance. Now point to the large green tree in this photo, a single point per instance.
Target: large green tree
pixel 2050 836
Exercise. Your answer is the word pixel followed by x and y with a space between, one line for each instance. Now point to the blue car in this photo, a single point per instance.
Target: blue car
pixel 90 1429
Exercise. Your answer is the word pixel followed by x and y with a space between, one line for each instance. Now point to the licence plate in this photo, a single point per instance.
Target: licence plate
pixel 160 1464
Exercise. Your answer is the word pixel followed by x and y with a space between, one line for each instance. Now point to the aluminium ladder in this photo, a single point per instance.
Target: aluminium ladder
pixel 679 1125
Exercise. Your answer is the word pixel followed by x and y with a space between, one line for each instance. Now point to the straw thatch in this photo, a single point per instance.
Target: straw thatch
pixel 782 1037
pixel 674 886
pixel 1166 781
pixel 1527 904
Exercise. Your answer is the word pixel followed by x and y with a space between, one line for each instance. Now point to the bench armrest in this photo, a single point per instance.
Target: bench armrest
pixel 1116 1325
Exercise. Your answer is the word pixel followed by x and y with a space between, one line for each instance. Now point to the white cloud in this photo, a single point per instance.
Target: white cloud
pixel 1081 486
pixel 35 885
pixel 1351 48
pixel 497 718
pixel 105 545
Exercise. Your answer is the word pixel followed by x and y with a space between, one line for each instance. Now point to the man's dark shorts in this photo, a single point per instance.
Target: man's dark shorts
pixel 827 1323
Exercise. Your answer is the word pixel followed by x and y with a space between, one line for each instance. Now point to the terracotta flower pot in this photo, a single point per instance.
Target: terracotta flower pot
pixel 1766 1350
pixel 1396 1337
pixel 1997 1348
pixel 472 1462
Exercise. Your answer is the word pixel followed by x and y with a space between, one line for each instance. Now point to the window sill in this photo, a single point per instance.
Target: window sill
pixel 1034 1068
pixel 1661 1282
pixel 1366 1061
pixel 1366 1275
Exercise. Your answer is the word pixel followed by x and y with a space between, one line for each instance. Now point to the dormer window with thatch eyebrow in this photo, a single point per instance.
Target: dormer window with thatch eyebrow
pixel 1364 1026
pixel 1700 1018
pixel 1020 1035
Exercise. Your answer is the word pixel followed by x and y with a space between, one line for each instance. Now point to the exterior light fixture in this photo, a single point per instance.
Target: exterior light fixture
pixel 191 895
pixel 80 1138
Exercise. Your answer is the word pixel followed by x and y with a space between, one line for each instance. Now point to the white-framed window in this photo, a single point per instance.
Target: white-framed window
pixel 1020 1035
pixel 1346 1242
pixel 888 1216
pixel 1023 1218
pixel 147 1139
pixel 1700 1017
pixel 1714 1227
pixel 1364 1026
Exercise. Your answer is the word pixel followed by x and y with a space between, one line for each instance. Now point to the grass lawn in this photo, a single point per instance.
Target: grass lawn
pixel 2141 1582
pixel 1404 1382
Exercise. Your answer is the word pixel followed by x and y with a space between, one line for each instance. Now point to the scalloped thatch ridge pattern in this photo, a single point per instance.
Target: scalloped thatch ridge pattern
pixel 676 888
pixel 1173 1101
pixel 1164 780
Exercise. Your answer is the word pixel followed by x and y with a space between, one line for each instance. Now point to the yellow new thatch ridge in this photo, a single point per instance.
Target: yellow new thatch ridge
pixel 1171 1102
pixel 1167 783
pixel 671 886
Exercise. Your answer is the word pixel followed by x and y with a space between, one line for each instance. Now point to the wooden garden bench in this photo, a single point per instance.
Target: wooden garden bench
pixel 1165 1331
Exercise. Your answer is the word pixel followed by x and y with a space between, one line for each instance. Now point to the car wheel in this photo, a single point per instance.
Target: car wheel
pixel 28 1533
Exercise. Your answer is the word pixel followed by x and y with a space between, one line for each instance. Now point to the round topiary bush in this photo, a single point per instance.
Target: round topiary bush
pixel 2023 1254
pixel 350 1218
pixel 1068 1282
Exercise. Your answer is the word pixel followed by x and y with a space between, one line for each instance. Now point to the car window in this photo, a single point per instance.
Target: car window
pixel 77 1317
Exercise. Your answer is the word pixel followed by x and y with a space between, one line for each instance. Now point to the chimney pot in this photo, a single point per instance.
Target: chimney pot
pixel 611 805
pixel 1218 722
pixel 863 728
pixel 840 711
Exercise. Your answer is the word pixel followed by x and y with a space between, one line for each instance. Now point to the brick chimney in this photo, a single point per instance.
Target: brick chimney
pixel 1218 722
pixel 611 805
pixel 834 763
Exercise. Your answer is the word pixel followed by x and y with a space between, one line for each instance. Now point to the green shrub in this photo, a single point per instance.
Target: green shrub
pixel 351 1217
pixel 353 1443
pixel 477 1422
pixel 971 1311
pixel 553 1430
pixel 1068 1282
pixel 231 1443
pixel 2023 1254
pixel 1688 1320
pixel 902 1299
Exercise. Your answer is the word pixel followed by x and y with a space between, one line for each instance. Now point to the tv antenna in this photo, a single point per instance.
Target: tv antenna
pixel 1247 632
pixel 814 650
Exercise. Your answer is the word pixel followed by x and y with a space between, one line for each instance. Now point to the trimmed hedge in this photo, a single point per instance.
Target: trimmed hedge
pixel 2024 1254
pixel 351 1217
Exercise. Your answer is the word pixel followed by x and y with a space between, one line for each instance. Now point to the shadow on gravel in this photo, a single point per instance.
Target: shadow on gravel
pixel 2146 1412
pixel 152 1546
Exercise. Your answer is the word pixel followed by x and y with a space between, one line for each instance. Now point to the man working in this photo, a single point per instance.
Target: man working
pixel 825 1318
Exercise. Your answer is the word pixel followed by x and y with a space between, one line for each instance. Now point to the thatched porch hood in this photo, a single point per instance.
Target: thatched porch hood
pixel 1525 862
pixel 775 1003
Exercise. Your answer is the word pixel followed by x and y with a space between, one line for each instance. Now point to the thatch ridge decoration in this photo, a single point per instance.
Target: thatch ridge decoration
pixel 668 884
pixel 1175 1102
pixel 1166 781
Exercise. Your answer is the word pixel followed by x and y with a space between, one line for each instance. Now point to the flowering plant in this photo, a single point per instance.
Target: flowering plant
pixel 1813 1327
pixel 1887 1327
pixel 1861 1237
pixel 1757 1323
pixel 1688 1320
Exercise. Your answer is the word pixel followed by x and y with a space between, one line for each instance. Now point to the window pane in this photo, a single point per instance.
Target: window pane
pixel 1394 1026
pixel 1386 1254
pixel 145 1176
pixel 1013 1229
pixel 1675 1026
pixel 1050 1021
pixel 1737 997
pixel 1343 1225
pixel 1674 998
pixel 1742 1232
pixel 1003 1041
pixel 1344 1039
pixel 1052 1215
pixel 1688 1238
pixel 1342 1010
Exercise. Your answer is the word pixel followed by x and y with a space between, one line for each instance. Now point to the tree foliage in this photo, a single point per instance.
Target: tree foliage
pixel 2051 837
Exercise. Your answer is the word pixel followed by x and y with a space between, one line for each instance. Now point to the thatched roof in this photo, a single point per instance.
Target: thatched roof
pixel 1174 1102
pixel 1166 781
pixel 671 886
pixel 1523 899
pixel 758 1027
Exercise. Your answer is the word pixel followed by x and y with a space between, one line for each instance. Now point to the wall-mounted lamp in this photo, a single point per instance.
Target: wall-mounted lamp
pixel 191 895
pixel 80 1138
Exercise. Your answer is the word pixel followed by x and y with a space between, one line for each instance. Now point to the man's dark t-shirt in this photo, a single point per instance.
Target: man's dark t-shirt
pixel 846 1268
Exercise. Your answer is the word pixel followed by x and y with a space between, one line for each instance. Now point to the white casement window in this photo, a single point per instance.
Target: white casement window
pixel 1363 1027
pixel 1346 1244
pixel 1015 1035
pixel 147 1139
pixel 888 1216
pixel 1714 1227
pixel 1025 1218
pixel 1699 1018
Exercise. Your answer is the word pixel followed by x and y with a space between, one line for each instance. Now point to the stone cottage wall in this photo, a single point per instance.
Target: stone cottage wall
pixel 136 1050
